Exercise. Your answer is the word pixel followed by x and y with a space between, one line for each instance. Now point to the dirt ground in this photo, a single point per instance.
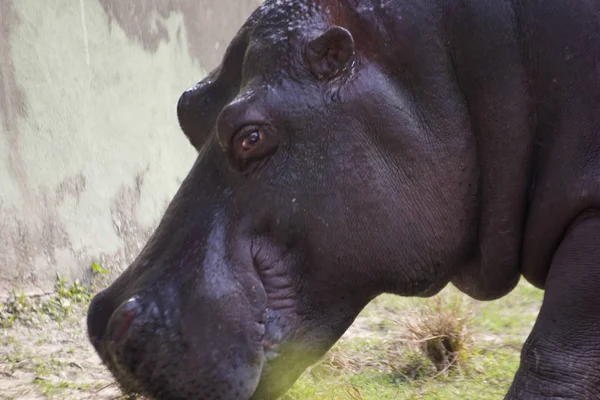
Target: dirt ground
pixel 43 358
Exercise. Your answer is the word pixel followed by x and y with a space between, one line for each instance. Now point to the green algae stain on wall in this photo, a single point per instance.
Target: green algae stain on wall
pixel 92 87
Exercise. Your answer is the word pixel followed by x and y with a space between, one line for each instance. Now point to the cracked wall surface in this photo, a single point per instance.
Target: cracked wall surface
pixel 90 148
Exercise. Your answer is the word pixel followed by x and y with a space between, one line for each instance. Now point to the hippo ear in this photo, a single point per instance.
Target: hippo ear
pixel 330 53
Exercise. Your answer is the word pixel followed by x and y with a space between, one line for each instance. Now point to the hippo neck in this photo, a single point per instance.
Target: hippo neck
pixel 490 71
pixel 529 81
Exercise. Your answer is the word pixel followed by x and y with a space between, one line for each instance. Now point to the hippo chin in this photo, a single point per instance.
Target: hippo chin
pixel 348 148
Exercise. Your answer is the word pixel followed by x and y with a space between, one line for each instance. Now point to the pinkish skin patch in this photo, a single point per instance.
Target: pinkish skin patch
pixel 124 324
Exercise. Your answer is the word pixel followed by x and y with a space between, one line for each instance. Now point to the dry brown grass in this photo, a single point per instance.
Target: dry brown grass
pixel 442 331
pixel 427 341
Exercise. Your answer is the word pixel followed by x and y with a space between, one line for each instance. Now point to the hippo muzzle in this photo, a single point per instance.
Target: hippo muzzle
pixel 160 345
pixel 187 319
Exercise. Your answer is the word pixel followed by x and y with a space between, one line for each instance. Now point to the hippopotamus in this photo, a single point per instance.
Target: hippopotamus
pixel 349 148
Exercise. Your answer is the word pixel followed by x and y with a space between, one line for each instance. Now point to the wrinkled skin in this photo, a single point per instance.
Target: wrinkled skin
pixel 354 147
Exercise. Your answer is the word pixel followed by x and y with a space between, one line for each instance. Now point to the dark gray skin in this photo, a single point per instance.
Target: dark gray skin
pixel 348 148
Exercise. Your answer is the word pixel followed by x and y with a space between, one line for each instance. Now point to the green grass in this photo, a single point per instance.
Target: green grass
pixel 448 347
pixel 383 355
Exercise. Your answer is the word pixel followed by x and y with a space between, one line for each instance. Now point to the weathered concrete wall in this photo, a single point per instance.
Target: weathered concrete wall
pixel 90 148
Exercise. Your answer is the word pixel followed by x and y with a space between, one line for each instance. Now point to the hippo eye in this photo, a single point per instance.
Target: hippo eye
pixel 250 140
pixel 252 143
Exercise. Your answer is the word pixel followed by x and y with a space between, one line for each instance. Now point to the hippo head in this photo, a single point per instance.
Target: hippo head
pixel 319 184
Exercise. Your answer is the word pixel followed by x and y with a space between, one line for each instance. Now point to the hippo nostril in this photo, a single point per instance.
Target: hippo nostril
pixel 122 319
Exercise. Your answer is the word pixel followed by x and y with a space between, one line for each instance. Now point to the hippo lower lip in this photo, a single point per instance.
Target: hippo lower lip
pixel 271 349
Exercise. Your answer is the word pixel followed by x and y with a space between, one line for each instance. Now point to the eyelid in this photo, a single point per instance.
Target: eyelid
pixel 243 108
pixel 248 127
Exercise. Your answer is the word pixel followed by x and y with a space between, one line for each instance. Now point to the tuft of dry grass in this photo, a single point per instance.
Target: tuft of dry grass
pixel 420 343
pixel 442 331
